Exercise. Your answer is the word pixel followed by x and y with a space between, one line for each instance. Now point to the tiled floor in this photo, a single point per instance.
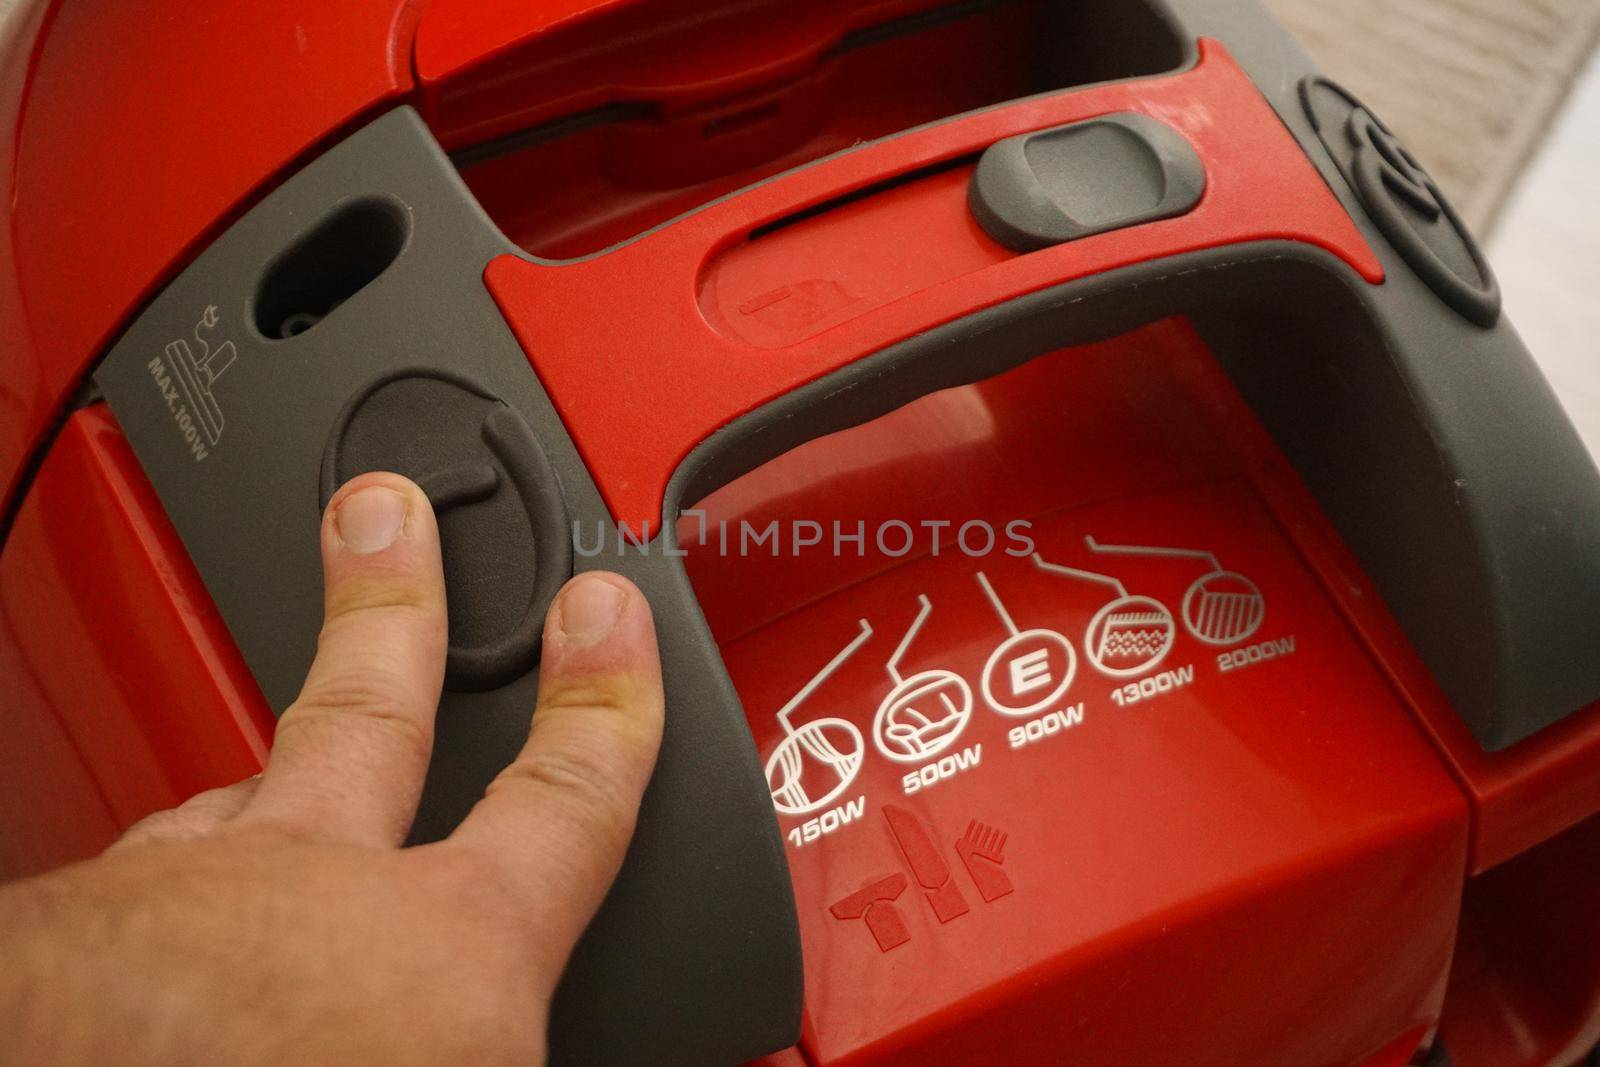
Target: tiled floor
pixel 1546 250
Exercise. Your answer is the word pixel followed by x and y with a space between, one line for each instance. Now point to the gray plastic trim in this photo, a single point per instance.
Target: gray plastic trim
pixel 706 857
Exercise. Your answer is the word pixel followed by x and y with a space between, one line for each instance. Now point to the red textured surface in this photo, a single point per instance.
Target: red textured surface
pixel 670 377
pixel 1202 876
pixel 124 692
pixel 146 127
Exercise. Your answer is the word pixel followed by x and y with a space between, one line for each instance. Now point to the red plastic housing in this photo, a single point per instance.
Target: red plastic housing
pixel 1109 865
pixel 1204 874
pixel 144 128
pixel 124 694
pixel 713 326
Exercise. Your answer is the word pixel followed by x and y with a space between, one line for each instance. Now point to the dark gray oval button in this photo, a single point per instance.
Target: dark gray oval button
pixel 1039 189
pixel 502 521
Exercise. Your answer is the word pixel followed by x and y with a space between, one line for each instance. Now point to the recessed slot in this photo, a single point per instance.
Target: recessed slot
pixel 807 272
pixel 570 183
pixel 964 163
pixel 739 120
pixel 329 266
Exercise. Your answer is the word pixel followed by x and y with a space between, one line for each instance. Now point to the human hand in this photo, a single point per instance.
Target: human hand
pixel 278 919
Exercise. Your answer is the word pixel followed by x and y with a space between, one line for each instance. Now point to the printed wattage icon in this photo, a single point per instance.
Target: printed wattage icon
pixel 815 762
pixel 924 714
pixel 1221 607
pixel 1129 634
pixel 1028 671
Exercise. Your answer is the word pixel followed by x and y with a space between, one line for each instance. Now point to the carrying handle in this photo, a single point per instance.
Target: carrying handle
pixel 1426 433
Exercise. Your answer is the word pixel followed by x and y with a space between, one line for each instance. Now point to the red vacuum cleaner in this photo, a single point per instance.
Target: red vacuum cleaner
pixel 1127 595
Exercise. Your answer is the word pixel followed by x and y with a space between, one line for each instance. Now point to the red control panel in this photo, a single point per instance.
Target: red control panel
pixel 1105 752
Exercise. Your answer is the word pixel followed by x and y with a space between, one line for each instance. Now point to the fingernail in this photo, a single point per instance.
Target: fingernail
pixel 590 607
pixel 370 519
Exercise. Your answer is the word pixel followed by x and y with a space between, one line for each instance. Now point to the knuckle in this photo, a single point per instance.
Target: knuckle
pixel 381 636
pixel 619 706
pixel 374 688
pixel 395 595
pixel 574 784
pixel 365 699
pixel 600 692
pixel 609 740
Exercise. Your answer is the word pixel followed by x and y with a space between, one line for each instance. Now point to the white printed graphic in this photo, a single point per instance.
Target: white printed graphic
pixel 197 369
pixel 924 714
pixel 1129 634
pixel 828 751
pixel 1030 670
pixel 1222 607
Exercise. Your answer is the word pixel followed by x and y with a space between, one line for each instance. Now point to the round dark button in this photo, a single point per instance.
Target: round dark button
pixel 502 521
pixel 1403 201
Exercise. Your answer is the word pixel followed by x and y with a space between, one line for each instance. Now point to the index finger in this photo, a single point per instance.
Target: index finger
pixel 349 755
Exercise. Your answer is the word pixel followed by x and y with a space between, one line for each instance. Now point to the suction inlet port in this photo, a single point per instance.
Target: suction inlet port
pixel 328 266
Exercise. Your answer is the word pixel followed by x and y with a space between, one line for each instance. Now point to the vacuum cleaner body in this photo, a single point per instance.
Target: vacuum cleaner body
pixel 1126 593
